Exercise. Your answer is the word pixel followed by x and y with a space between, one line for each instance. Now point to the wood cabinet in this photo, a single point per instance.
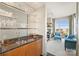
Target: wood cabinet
pixel 1 54
pixel 38 47
pixel 31 49
pixel 15 52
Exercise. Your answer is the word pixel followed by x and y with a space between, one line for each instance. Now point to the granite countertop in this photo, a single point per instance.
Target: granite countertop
pixel 17 44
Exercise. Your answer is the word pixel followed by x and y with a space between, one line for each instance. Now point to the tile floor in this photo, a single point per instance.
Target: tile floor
pixel 57 48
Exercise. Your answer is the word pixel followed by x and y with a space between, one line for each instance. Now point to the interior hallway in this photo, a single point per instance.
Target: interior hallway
pixel 57 48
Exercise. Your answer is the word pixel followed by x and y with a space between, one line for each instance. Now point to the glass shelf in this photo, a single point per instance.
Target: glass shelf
pixel 18 28
pixel 7 16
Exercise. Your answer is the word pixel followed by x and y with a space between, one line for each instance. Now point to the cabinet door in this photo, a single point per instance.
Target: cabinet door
pixel 1 54
pixel 16 52
pixel 30 49
pixel 38 47
pixel 33 49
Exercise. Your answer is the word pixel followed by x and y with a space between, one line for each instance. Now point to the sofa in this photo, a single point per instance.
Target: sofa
pixel 70 42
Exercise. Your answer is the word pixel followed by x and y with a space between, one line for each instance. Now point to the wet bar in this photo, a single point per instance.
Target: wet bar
pixel 10 46
pixel 20 30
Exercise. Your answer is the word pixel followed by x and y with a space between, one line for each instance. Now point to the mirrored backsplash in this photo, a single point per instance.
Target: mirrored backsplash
pixel 12 33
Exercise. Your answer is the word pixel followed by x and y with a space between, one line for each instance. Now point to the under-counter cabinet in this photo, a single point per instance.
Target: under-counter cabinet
pixel 34 48
pixel 1 54
pixel 38 47
pixel 15 52
pixel 31 49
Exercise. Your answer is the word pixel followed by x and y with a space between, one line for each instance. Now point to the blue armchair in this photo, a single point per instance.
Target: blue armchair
pixel 70 42
pixel 57 36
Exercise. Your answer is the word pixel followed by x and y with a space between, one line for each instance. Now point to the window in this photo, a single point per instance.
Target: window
pixel 62 25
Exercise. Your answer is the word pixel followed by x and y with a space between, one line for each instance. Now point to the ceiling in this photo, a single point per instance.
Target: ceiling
pixel 60 9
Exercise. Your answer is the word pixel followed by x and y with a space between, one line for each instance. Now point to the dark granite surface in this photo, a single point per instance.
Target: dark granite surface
pixel 18 43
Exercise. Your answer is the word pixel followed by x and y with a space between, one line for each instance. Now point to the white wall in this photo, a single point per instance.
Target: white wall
pixel 38 20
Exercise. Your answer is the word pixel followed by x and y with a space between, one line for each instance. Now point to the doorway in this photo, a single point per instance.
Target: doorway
pixel 60 23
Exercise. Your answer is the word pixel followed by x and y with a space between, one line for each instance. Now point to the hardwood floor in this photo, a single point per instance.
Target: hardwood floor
pixel 49 54
pixel 57 48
